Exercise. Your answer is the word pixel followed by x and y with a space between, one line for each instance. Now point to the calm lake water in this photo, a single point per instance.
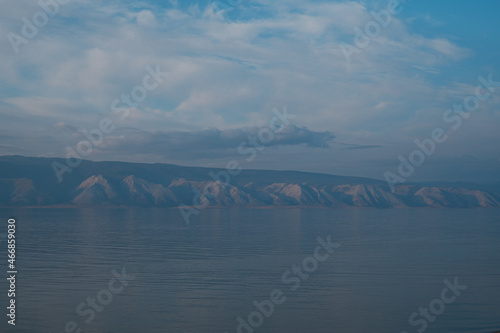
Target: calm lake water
pixel 202 277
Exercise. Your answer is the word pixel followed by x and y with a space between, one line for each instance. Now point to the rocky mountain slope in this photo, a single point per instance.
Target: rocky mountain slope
pixel 32 182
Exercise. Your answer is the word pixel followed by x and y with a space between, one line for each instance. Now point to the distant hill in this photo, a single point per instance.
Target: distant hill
pixel 29 181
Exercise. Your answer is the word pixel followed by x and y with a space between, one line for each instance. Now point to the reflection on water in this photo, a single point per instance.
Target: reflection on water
pixel 201 277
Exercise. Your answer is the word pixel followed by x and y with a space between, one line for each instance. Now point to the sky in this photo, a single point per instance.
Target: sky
pixel 358 87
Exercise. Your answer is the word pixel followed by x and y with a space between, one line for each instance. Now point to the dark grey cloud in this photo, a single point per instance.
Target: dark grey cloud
pixel 210 141
pixel 354 147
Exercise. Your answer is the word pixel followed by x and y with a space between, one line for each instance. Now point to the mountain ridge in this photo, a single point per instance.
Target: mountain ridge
pixel 31 181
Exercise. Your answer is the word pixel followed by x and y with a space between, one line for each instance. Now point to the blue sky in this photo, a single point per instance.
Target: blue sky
pixel 228 69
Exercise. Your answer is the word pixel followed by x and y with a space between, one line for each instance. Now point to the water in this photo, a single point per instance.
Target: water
pixel 202 277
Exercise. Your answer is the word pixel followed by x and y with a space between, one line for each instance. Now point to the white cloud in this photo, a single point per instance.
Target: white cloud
pixel 447 48
pixel 40 106
pixel 146 18
pixel 230 70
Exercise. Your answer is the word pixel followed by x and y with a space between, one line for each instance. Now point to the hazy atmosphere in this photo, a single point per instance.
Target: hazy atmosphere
pixel 191 82
pixel 250 166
